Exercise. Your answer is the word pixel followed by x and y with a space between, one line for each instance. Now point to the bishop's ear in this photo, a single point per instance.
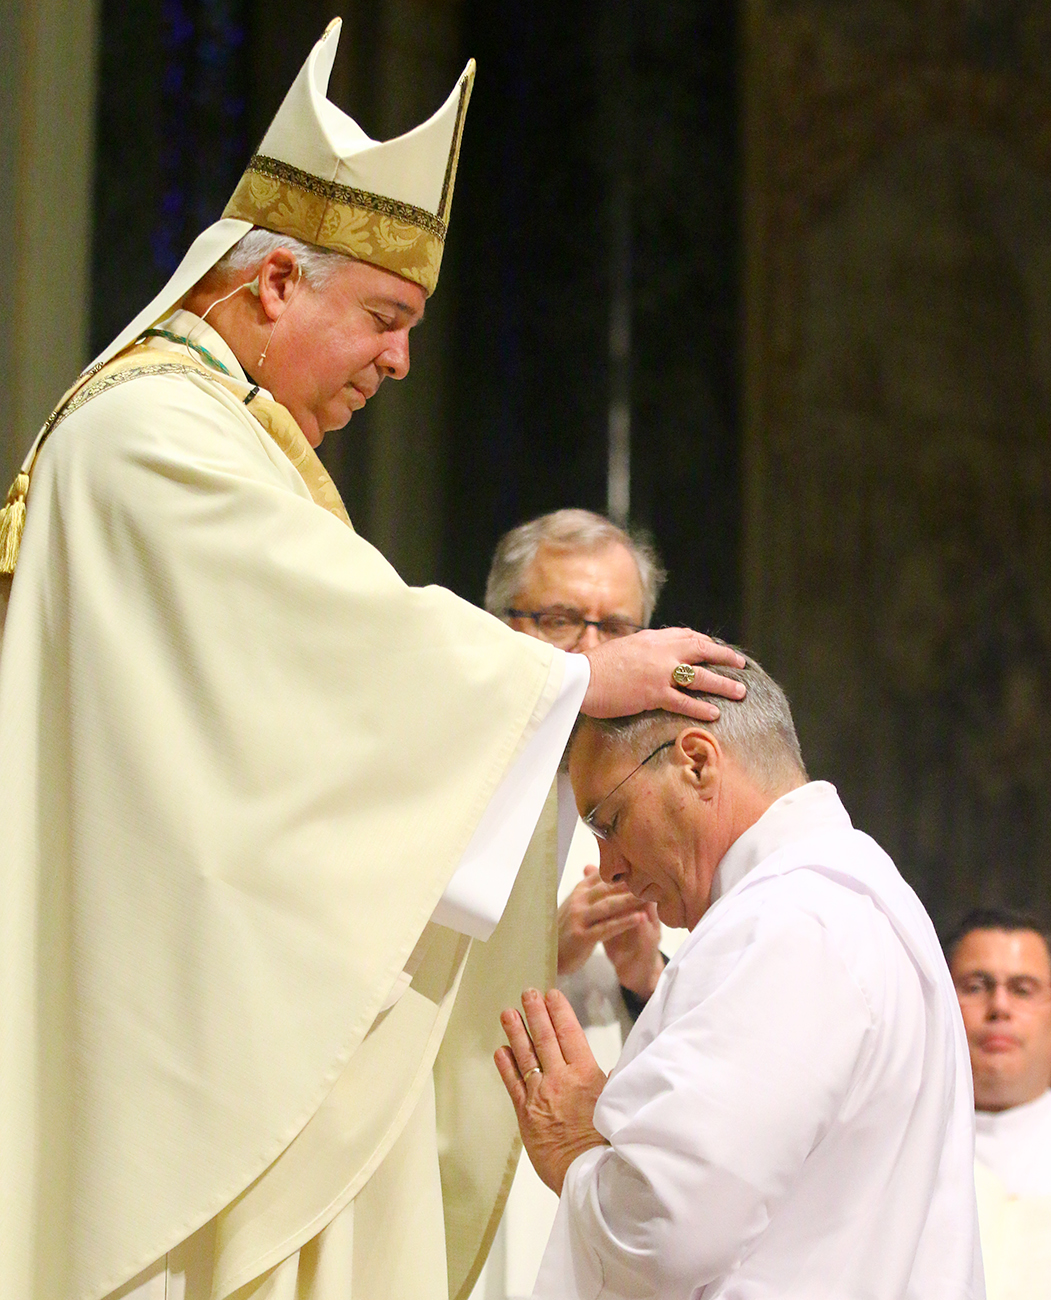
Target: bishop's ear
pixel 278 279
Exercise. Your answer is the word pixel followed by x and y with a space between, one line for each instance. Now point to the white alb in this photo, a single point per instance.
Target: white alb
pixel 792 1114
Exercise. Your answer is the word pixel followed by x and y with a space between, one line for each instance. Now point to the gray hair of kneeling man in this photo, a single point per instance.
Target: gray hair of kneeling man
pixel 757 731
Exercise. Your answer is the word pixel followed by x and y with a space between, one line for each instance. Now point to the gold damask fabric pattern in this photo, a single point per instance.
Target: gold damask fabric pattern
pixel 395 236
pixel 275 418
pixel 280 425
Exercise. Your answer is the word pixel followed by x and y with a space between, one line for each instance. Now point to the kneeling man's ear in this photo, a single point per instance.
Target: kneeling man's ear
pixel 702 759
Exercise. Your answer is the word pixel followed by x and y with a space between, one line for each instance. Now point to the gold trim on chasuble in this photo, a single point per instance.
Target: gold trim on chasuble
pixel 396 236
pixel 138 362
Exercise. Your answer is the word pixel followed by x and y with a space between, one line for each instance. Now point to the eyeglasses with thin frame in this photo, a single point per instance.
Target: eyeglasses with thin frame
pixel 603 832
pixel 566 627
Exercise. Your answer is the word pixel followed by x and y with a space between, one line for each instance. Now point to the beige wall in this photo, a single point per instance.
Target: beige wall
pixel 47 109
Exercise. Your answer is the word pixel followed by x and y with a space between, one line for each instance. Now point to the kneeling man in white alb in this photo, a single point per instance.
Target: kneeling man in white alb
pixel 791 1116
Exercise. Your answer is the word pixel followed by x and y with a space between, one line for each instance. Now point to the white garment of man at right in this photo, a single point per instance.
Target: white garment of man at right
pixel 1001 966
pixel 791 1117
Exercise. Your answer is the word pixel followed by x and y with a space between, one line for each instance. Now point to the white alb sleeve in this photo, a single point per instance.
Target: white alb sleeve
pixel 475 898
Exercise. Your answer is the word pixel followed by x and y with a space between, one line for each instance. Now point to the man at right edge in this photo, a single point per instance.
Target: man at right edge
pixel 1001 966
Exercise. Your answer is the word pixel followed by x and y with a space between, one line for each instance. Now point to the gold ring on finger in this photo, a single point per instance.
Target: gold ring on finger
pixel 535 1070
pixel 683 674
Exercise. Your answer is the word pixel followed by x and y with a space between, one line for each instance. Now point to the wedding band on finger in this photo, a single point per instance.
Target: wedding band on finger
pixel 683 674
pixel 535 1070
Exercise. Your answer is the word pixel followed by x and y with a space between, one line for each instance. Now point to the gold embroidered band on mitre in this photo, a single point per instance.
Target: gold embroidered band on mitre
pixel 387 232
pixel 395 236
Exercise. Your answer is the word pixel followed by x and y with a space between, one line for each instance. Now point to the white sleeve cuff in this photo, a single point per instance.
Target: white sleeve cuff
pixel 475 898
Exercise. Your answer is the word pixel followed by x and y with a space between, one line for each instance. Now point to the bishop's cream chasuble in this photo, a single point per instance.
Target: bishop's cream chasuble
pixel 240 761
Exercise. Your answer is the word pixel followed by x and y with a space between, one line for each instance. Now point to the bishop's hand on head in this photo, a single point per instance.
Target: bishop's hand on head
pixel 634 674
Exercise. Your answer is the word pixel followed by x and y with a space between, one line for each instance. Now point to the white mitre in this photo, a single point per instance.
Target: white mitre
pixel 318 177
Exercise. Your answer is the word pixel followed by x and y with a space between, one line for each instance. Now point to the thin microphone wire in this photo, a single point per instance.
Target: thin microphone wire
pixel 266 349
pixel 251 285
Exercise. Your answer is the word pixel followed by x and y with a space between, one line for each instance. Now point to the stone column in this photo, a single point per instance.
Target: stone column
pixel 47 107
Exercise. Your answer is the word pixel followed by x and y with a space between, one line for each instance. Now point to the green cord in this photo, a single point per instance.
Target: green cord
pixel 178 338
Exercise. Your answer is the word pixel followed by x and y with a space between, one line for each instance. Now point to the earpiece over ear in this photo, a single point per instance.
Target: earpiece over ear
pixel 253 287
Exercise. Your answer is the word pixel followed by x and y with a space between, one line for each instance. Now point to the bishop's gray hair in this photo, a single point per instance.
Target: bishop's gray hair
pixel 757 732
pixel 319 264
pixel 568 530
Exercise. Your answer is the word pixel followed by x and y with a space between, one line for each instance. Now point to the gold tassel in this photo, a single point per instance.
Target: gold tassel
pixel 12 522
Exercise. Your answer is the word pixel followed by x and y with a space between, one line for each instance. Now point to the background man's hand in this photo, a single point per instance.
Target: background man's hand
pixel 599 913
pixel 636 955
pixel 556 1105
pixel 632 674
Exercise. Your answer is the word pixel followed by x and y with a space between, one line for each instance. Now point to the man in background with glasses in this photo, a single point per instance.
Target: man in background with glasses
pixel 1001 967
pixel 791 1116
